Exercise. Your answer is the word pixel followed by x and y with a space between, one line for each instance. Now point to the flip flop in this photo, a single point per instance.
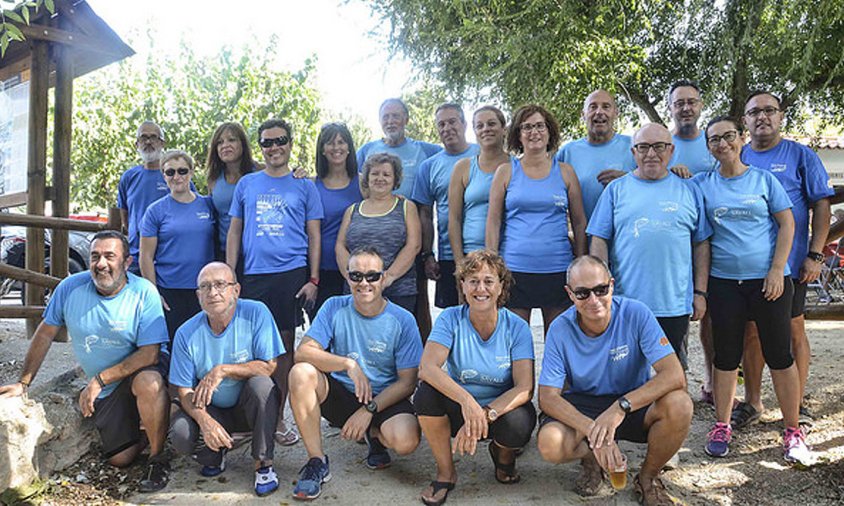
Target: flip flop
pixel 509 470
pixel 286 438
pixel 436 486
pixel 744 414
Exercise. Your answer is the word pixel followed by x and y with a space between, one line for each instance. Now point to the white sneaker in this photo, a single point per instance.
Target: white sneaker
pixel 795 449
pixel 673 462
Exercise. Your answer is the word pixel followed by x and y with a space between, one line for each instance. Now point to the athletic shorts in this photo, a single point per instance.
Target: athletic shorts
pixel 798 301
pixel 446 295
pixel 340 404
pixel 631 429
pixel 676 329
pixel 531 290
pixel 278 292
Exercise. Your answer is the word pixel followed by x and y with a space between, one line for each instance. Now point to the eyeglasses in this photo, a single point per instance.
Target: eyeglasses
pixel 278 141
pixel 583 293
pixel 182 171
pixel 530 127
pixel 219 286
pixel 716 139
pixel 691 102
pixel 643 147
pixel 767 111
pixel 148 138
pixel 371 276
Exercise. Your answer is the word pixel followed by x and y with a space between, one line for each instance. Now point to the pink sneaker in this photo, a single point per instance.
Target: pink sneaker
pixel 795 450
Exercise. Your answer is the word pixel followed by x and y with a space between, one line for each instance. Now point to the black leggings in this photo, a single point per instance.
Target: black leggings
pixel 732 304
pixel 511 430
pixel 183 303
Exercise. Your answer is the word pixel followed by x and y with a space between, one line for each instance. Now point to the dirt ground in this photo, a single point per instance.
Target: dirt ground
pixel 753 473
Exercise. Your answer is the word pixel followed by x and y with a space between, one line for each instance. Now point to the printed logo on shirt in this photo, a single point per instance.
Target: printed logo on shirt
pixel 721 214
pixel 619 353
pixel 162 186
pixel 240 357
pixel 270 211
pixel 778 167
pixel 118 325
pixel 643 224
pixel 94 341
pixel 467 374
pixel 751 199
pixel 203 215
pixel 376 346
pixel 663 341
pixel 503 361
pixel 669 206
pixel 560 201
pixel 353 355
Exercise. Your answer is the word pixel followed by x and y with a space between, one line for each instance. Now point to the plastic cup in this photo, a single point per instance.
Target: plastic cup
pixel 618 474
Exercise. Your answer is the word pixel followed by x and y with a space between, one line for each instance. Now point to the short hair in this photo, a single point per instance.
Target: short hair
pixel 683 83
pixel 113 234
pixel 452 105
pixel 275 123
pixel 494 110
pixel 153 123
pixel 367 250
pixel 514 142
pixel 326 135
pixel 215 264
pixel 398 101
pixel 474 261
pixel 378 159
pixel 171 154
pixel 756 93
pixel 215 165
pixel 587 259
pixel 724 117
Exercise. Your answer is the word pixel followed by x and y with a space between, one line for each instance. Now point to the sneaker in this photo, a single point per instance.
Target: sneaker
pixel 266 481
pixel 378 457
pixel 156 476
pixel 794 447
pixel 718 440
pixel 311 477
pixel 212 471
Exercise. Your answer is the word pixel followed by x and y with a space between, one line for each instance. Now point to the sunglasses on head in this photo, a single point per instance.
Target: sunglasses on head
pixel 278 141
pixel 582 293
pixel 371 276
pixel 172 172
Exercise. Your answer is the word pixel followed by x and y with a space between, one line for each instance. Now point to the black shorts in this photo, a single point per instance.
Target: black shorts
pixel 631 429
pixel 340 404
pixel 407 302
pixel 278 292
pixel 446 295
pixel 676 329
pixel 331 284
pixel 531 290
pixel 798 301
pixel 184 304
pixel 116 416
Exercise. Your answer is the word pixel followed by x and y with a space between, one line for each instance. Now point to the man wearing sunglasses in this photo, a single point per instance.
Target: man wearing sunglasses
pixel 596 385
pixel 357 367
pixel 685 106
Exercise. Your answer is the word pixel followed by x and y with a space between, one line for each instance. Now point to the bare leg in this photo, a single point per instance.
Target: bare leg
pixel 724 391
pixel 752 365
pixel 309 388
pixel 524 313
pixel 708 350
pixel 400 433
pixel 423 311
pixel 787 388
pixel 668 421
pixel 801 351
pixel 281 374
pixel 437 430
pixel 151 395
pixel 549 313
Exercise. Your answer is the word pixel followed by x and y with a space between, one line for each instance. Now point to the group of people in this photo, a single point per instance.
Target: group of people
pixel 618 240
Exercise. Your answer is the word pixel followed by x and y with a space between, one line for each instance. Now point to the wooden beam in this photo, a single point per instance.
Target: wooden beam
pixel 836 231
pixel 12 200
pixel 28 220
pixel 59 36
pixel 36 278
pixel 29 312
pixel 833 312
pixel 838 198
pixel 62 134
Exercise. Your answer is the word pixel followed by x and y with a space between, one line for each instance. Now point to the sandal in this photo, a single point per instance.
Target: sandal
pixel 743 414
pixel 436 486
pixel 656 495
pixel 288 437
pixel 590 480
pixel 509 470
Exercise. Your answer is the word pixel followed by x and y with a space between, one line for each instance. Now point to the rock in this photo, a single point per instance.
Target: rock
pixel 23 426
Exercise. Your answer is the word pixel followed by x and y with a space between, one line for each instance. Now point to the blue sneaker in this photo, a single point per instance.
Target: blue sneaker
pixel 212 471
pixel 311 477
pixel 718 440
pixel 378 458
pixel 266 481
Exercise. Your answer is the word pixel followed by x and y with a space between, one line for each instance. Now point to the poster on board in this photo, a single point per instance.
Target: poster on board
pixel 14 131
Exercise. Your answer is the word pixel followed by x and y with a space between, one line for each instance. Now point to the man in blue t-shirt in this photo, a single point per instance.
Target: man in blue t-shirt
pixel 807 184
pixel 652 227
pixel 690 151
pixel 222 362
pixel 117 330
pixel 603 155
pixel 431 186
pixel 596 386
pixel 356 367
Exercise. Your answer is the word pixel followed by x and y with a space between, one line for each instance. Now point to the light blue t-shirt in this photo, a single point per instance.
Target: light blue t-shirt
pixel 221 197
pixel 185 234
pixel 431 185
pixel 251 335
pixel 382 345
pixel 476 207
pixel 411 152
pixel 651 227
pixel 693 154
pixel 275 212
pixel 105 330
pixel 613 363
pixel 589 160
pixel 805 180
pixel 137 189
pixel 741 211
pixel 483 368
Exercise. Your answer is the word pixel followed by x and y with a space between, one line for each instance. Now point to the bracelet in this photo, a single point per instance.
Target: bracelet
pixel 425 255
pixel 314 281
pixel 701 293
pixel 100 380
pixel 817 257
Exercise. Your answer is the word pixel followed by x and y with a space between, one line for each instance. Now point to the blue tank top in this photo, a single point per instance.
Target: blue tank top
pixel 221 197
pixel 334 205
pixel 535 233
pixel 475 207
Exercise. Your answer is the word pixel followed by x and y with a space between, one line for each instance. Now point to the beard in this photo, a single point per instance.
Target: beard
pixel 150 156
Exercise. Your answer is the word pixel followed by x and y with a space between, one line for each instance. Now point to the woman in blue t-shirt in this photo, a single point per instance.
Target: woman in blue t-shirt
pixel 531 200
pixel 749 280
pixel 487 390
pixel 177 240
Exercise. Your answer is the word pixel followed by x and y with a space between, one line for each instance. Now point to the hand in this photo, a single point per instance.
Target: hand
pixel 602 431
pixel 432 268
pixel 308 293
pixel 214 435
pixel 88 396
pixel 608 175
pixel 772 286
pixel 12 390
pixel 682 171
pixel 164 303
pixel 609 456
pixel 363 390
pixel 300 173
pixel 204 391
pixel 464 443
pixel 474 419
pixel 355 427
pixel 810 271
pixel 698 307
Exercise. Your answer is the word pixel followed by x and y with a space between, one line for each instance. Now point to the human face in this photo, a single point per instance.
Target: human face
pixel 599 114
pixel 481 289
pixel 363 291
pixel 593 309
pixel 108 265
pixel 336 151
pixel 149 143
pixel 217 290
pixel 452 129
pixel 763 126
pixel 381 180
pixel 534 133
pixel 276 156
pixel 685 107
pixel 178 183
pixel 229 147
pixel 652 165
pixel 488 129
pixel 723 150
pixel 393 121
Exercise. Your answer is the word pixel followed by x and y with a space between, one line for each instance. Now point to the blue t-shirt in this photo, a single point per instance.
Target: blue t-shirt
pixel 251 335
pixel 693 154
pixel 741 211
pixel 432 179
pixel 613 363
pixel 805 180
pixel 411 152
pixel 651 227
pixel 589 160
pixel 221 197
pixel 185 235
pixel 334 205
pixel 382 345
pixel 275 212
pixel 483 368
pixel 137 189
pixel 476 207
pixel 105 330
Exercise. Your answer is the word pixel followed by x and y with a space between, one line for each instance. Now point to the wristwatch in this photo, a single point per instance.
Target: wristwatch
pixel 624 404
pixel 491 414
pixel 814 255
pixel 372 407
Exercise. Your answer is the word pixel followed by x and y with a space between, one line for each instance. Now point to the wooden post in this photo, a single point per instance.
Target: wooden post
pixel 61 158
pixel 36 170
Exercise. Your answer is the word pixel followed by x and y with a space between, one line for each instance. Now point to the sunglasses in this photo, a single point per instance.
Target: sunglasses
pixel 371 276
pixel 583 293
pixel 172 172
pixel 278 141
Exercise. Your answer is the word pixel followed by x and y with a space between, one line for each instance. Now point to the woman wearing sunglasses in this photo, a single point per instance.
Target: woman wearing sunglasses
pixel 487 389
pixel 753 227
pixel 387 222
pixel 177 240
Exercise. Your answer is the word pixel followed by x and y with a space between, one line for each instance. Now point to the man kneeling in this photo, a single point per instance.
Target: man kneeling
pixel 357 367
pixel 222 361
pixel 603 348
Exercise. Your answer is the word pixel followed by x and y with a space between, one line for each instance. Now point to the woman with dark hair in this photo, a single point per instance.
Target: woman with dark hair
pixel 531 201
pixel 487 388
pixel 468 190
pixel 338 186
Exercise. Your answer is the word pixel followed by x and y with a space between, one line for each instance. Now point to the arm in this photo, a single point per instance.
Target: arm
pixel 42 338
pixel 456 189
pixel 681 170
pixel 426 222
pixel 214 435
pixel 821 216
pixel 147 260
pixel 599 248
pixel 340 250
pixel 144 356
pixel 407 255
pixel 204 390
pixel 312 352
pixel 701 260
pixel 358 423
pixel 773 284
pixel 495 214
pixel 233 241
pixel 576 213
pixel 124 221
pixel 309 290
pixel 522 391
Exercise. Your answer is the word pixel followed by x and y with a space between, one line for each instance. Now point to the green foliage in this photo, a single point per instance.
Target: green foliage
pixel 421 104
pixel 18 12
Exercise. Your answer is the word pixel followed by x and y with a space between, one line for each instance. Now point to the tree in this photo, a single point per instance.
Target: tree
pixel 18 12
pixel 421 104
